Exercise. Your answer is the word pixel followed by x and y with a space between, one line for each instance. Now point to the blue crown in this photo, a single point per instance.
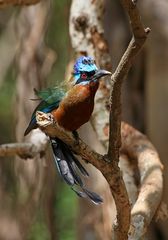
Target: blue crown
pixel 84 64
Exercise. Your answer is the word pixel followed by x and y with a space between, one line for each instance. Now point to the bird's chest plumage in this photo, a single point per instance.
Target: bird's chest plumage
pixel 76 108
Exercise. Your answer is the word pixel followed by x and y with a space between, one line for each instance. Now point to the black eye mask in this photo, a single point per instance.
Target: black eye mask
pixel 88 74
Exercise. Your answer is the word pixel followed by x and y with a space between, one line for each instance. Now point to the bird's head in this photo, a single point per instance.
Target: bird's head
pixel 86 71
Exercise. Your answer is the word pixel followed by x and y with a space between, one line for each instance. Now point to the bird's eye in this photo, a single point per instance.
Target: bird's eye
pixel 83 76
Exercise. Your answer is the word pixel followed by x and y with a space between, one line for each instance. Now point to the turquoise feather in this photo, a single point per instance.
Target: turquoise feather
pixel 51 98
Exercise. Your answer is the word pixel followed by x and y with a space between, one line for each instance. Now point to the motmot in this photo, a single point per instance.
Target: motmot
pixel 71 109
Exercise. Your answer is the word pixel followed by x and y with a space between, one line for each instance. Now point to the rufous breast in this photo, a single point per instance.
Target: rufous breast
pixel 77 106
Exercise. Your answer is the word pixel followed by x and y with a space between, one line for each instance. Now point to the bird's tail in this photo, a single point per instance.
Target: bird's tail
pixel 68 167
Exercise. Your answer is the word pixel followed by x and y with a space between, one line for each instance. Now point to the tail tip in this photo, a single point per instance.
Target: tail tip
pixel 27 131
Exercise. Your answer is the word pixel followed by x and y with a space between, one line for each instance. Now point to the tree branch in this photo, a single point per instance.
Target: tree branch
pixel 23 150
pixel 111 174
pixel 87 38
pixel 37 145
pixel 50 127
pixel 138 39
pixel 134 144
pixel 6 3
pixel 136 43
pixel 138 147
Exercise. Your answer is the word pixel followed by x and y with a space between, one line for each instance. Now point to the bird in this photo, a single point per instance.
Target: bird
pixel 70 110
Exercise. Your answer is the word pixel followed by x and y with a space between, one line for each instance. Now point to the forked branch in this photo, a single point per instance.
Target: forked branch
pixel 137 146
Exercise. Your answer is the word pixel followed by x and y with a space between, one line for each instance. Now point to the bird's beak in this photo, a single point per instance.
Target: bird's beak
pixel 100 73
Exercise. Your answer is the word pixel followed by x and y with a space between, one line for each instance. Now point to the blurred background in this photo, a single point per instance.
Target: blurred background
pixel 35 49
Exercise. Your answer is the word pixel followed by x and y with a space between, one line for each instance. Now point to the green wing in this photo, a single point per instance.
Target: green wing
pixel 50 95
pixel 50 99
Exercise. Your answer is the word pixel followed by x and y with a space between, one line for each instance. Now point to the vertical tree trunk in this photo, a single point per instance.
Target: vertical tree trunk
pixel 32 64
pixel 96 224
pixel 86 32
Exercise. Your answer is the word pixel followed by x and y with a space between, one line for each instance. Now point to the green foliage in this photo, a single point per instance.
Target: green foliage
pixel 6 114
pixel 66 211
pixel 39 230
pixel 65 217
pixel 7 135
